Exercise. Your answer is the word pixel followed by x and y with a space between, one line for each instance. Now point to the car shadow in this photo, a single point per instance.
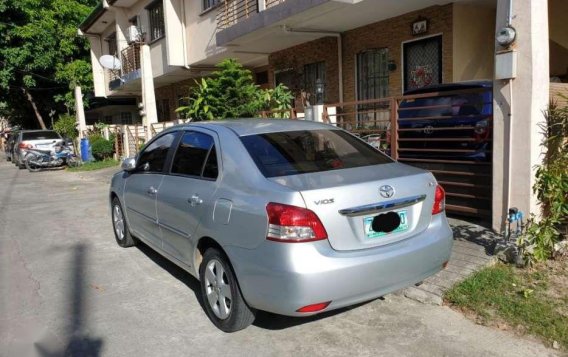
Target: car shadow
pixel 177 272
pixel 264 320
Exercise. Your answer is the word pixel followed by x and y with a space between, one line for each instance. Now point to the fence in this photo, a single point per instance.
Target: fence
pixel 434 131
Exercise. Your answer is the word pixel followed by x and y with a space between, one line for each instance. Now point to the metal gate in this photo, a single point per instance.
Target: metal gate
pixel 448 133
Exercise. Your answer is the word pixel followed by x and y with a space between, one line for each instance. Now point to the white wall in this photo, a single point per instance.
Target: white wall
pixel 473 41
pixel 200 32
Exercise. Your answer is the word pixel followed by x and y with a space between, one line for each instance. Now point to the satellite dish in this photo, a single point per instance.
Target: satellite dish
pixel 110 62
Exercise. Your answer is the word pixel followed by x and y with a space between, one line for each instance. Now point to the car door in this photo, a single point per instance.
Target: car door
pixel 186 193
pixel 142 186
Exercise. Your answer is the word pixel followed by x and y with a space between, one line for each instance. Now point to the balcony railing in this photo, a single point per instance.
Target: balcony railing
pixel 232 12
pixel 130 58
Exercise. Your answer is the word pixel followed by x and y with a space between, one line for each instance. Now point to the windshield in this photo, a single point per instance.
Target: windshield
pixel 40 135
pixel 299 152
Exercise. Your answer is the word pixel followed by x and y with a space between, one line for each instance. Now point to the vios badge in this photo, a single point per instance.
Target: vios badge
pixel 386 191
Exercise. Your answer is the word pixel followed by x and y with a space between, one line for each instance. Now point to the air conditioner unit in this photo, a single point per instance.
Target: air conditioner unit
pixel 134 34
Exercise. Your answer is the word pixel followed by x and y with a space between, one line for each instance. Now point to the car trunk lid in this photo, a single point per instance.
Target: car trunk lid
pixel 346 201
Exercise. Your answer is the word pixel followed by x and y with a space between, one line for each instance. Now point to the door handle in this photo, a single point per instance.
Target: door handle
pixel 195 200
pixel 152 191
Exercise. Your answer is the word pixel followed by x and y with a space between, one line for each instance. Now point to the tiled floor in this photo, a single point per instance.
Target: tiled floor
pixel 473 248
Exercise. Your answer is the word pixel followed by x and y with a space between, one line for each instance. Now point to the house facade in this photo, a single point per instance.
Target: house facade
pixel 345 51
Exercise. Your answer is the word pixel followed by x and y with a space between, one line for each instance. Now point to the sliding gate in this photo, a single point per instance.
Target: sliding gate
pixel 448 133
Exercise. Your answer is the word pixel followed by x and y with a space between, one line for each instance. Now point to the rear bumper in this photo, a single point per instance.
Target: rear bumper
pixel 283 277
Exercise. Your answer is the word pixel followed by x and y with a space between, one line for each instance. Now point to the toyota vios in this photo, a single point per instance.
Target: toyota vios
pixel 291 217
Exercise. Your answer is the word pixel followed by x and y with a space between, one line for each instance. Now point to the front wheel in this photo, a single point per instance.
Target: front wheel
pixel 221 294
pixel 120 227
pixel 31 163
pixel 73 161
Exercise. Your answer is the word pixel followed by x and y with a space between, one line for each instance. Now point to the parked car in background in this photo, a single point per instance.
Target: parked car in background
pixel 33 139
pixel 286 216
pixel 456 125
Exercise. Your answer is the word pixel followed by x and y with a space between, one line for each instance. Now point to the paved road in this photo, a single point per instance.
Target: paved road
pixel 66 288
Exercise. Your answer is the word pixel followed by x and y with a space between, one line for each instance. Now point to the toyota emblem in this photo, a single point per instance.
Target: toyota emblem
pixel 386 191
pixel 429 130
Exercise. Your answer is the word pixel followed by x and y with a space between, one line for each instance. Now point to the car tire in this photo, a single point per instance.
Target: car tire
pixel 221 294
pixel 120 227
pixel 30 165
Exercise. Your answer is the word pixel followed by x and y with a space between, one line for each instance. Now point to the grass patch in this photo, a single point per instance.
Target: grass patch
pixel 534 301
pixel 94 165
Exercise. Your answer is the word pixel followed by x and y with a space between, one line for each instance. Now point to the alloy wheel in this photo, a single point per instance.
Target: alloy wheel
pixel 118 222
pixel 218 289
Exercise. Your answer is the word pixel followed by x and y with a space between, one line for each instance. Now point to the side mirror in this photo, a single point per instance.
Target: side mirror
pixel 129 164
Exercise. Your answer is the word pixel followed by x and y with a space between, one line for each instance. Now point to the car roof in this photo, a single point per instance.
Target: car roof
pixel 34 130
pixel 451 87
pixel 244 127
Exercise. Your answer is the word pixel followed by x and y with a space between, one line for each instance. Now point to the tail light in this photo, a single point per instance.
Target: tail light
pixel 25 145
pixel 439 200
pixel 293 224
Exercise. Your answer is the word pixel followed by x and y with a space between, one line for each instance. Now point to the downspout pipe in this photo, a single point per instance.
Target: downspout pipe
pixel 337 35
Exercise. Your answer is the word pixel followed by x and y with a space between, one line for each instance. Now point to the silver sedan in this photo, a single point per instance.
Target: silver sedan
pixel 290 217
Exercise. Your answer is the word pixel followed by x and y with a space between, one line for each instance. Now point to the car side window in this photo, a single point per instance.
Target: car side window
pixel 192 153
pixel 211 170
pixel 153 157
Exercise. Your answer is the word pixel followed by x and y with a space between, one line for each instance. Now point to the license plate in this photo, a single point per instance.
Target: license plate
pixel 370 233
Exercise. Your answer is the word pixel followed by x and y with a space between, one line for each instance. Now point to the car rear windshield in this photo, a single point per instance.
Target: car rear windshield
pixel 40 135
pixel 299 152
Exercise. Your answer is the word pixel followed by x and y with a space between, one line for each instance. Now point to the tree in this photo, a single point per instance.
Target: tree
pixel 230 92
pixel 41 56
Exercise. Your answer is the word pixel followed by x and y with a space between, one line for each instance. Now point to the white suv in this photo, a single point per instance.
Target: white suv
pixel 33 139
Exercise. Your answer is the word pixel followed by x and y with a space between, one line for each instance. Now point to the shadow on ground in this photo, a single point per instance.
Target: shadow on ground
pixel 264 320
pixel 476 232
pixel 79 343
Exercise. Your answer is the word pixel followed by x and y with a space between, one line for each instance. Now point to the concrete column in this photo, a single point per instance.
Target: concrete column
pixel 150 114
pixel 80 111
pixel 99 81
pixel 518 106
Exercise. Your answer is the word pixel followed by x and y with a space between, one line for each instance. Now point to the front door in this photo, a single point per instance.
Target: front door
pixel 142 187
pixel 422 63
pixel 187 192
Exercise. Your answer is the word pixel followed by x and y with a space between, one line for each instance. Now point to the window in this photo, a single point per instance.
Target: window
pixel 299 152
pixel 107 119
pixel 208 4
pixel 111 42
pixel 313 72
pixel 372 74
pixel 193 151
pixel 125 118
pixel 163 109
pixel 422 63
pixel 156 15
pixel 40 135
pixel 153 157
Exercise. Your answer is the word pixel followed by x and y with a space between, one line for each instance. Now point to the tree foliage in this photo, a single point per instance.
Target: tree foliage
pixel 66 126
pixel 230 92
pixel 41 56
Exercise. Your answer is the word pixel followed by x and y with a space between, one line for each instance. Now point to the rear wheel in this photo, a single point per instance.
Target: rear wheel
pixel 73 161
pixel 222 298
pixel 31 163
pixel 120 227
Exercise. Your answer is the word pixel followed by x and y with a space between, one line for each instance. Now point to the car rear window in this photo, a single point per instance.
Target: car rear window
pixel 40 135
pixel 299 152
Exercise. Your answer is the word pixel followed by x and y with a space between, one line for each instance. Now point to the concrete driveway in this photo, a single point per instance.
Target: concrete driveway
pixel 67 288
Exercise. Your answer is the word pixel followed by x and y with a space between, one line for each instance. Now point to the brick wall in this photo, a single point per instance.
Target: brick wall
pixel 171 93
pixel 324 49
pixel 390 33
